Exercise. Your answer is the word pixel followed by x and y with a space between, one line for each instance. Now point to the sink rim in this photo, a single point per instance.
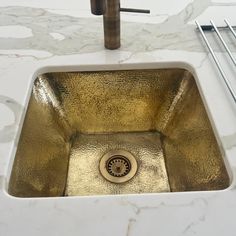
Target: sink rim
pixel 118 67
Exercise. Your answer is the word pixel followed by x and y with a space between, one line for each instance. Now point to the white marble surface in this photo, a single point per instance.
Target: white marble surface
pixel 47 35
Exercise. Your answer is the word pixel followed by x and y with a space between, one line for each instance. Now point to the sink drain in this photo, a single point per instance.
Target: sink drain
pixel 118 166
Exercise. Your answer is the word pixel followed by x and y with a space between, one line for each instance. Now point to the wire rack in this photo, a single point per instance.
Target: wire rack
pixel 212 27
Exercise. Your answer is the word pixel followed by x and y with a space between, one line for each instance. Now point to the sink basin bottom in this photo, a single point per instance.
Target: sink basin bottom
pixel 84 177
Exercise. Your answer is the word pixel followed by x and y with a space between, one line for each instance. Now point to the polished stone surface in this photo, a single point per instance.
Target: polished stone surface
pixel 64 36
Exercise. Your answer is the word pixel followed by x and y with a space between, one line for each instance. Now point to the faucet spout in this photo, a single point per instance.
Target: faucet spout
pixel 97 7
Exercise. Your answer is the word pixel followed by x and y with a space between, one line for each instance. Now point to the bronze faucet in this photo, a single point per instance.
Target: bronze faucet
pixel 110 9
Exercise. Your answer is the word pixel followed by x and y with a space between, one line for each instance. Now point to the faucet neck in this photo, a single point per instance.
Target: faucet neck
pixel 111 20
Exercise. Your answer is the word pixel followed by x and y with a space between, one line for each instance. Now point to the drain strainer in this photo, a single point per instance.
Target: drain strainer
pixel 118 166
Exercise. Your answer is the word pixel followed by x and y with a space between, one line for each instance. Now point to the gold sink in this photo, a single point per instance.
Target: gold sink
pixel 116 132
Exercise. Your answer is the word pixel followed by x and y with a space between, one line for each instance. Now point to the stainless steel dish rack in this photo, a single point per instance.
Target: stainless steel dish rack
pixel 212 27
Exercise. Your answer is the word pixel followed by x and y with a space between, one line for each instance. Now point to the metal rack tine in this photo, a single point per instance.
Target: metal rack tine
pixel 217 62
pixel 230 27
pixel 223 42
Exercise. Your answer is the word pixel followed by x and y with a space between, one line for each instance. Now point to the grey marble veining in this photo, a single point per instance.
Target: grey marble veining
pixel 199 205
pixel 81 35
pixel 81 41
pixel 8 132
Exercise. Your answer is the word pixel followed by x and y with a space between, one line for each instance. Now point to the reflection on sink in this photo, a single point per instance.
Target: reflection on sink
pixel 116 132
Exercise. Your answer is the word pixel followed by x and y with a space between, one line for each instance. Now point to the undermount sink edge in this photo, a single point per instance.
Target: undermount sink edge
pixel 45 181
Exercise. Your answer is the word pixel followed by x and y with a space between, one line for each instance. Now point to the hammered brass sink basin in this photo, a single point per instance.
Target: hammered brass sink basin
pixel 116 132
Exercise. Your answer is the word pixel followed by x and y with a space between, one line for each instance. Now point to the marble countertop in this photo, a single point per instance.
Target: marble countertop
pixel 38 36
